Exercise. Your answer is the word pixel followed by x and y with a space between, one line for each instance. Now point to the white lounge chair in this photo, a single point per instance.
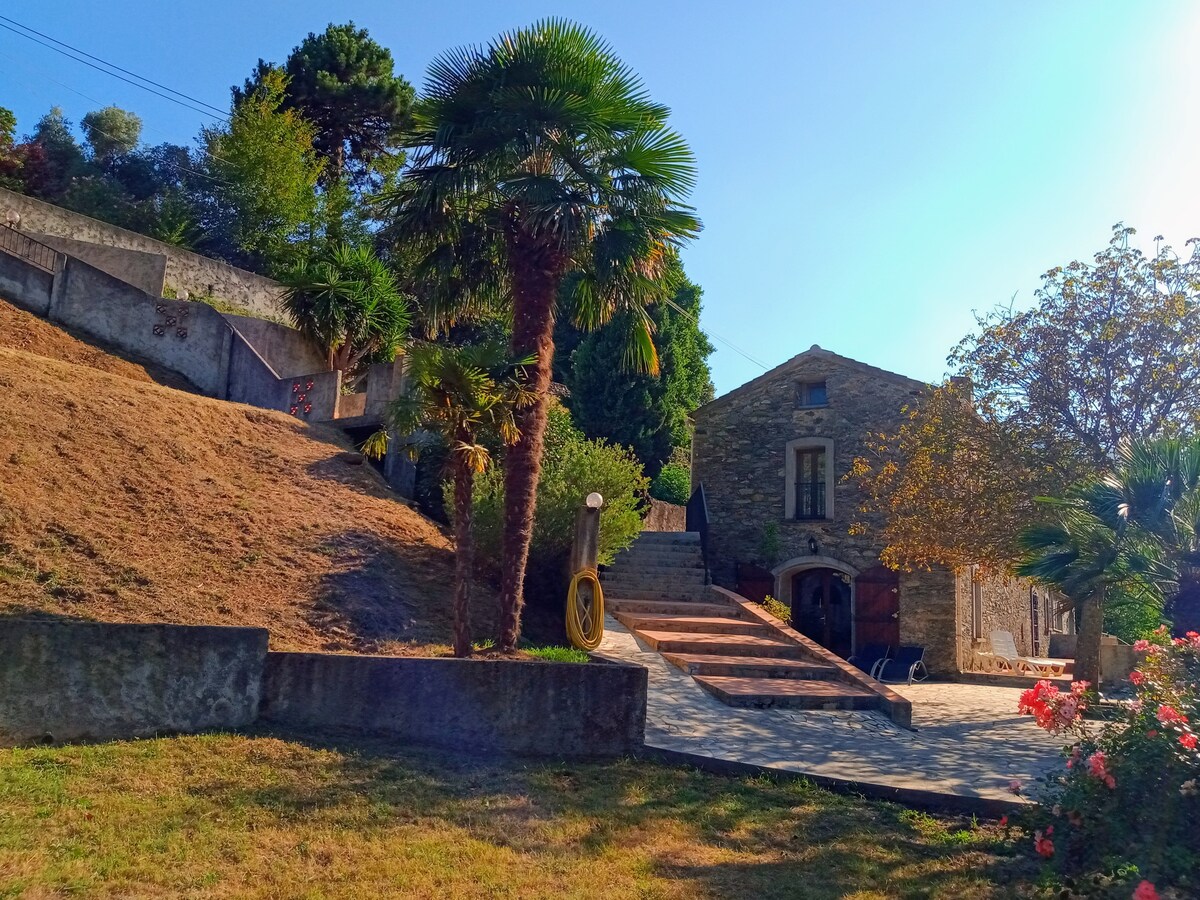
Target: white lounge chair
pixel 1005 655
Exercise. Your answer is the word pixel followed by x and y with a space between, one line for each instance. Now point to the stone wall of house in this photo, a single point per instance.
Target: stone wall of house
pixel 739 455
pixel 1005 606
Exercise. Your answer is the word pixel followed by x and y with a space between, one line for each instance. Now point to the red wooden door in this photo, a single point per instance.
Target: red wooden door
pixel 877 608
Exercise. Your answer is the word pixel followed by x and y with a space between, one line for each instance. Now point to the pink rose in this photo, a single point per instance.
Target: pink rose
pixel 1145 891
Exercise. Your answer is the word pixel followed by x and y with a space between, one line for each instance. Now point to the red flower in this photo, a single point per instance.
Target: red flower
pixel 1168 715
pixel 1145 891
pixel 1188 741
pixel 1043 845
pixel 1136 677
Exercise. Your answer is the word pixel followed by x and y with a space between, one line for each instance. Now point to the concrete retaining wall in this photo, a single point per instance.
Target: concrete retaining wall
pixel 62 681
pixel 25 284
pixel 184 270
pixel 189 338
pixel 68 680
pixel 524 708
pixel 285 349
pixel 145 271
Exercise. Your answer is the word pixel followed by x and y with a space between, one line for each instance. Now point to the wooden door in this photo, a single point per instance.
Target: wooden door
pixel 877 608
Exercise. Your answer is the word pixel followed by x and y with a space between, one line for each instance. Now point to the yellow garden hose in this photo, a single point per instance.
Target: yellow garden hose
pixel 585 622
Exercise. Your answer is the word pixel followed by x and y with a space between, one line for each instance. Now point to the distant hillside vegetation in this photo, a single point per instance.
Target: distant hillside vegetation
pixel 125 500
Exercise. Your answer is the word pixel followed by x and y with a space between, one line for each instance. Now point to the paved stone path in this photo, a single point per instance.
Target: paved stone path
pixel 969 739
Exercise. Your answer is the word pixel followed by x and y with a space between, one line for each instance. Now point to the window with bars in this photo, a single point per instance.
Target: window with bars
pixel 810 483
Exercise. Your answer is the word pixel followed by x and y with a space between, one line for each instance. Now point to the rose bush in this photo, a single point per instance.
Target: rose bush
pixel 1126 807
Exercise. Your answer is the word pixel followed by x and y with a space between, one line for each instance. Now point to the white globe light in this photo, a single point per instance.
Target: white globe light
pixel 594 500
pixel 185 295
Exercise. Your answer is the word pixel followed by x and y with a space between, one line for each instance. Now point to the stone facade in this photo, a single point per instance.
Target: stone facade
pixel 745 454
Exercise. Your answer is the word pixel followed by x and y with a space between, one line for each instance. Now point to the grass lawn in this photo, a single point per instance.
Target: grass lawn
pixel 255 816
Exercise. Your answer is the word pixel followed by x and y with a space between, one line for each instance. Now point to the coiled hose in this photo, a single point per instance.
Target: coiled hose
pixel 585 624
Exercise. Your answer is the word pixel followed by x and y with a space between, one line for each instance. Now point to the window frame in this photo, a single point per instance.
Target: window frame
pixel 792 450
pixel 803 394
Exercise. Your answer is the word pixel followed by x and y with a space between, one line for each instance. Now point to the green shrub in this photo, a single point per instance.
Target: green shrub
pixel 673 484
pixel 778 609
pixel 572 468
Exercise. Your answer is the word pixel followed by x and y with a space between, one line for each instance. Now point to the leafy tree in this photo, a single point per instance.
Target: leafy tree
pixel 572 468
pixel 347 301
pixel 57 158
pixel 647 413
pixel 343 82
pixel 111 132
pixel 1044 397
pixel 467 397
pixel 549 146
pixel 672 484
pixel 10 157
pixel 266 172
pixel 954 484
pixel 1110 350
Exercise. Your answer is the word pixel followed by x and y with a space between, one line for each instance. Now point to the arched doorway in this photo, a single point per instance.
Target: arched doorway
pixel 822 602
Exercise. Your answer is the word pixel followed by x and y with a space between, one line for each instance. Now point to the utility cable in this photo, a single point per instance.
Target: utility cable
pixel 193 108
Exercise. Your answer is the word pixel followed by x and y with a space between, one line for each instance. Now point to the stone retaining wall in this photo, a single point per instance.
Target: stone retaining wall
pixel 524 708
pixel 66 681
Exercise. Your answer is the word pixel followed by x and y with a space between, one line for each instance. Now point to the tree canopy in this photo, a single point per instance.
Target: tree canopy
pixel 1044 397
pixel 266 171
pixel 343 82
pixel 111 132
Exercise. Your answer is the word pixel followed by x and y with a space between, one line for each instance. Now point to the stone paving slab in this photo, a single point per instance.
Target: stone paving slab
pixel 968 740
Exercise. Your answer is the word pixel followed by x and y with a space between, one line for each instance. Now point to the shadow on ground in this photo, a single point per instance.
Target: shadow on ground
pixel 726 836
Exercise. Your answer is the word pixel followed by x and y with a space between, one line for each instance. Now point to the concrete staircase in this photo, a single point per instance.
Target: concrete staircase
pixel 657 590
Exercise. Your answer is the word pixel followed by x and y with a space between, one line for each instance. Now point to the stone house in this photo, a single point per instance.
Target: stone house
pixel 772 456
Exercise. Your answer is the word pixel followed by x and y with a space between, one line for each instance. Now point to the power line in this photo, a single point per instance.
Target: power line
pixel 732 346
pixel 194 108
pixel 175 165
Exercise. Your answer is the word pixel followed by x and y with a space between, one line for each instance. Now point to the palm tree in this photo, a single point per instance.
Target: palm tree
pixel 1100 546
pixel 349 302
pixel 465 397
pixel 547 148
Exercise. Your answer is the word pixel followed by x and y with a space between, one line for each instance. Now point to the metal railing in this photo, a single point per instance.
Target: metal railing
pixel 696 519
pixel 35 252
pixel 810 500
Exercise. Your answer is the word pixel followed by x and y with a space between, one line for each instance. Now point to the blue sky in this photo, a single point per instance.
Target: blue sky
pixel 870 172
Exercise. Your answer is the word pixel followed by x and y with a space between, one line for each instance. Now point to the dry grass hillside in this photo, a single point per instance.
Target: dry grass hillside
pixel 125 500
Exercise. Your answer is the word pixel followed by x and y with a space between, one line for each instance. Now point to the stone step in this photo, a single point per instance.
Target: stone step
pixel 697 594
pixel 787 693
pixel 647 538
pixel 692 624
pixel 686 557
pixel 624 570
pixel 651 582
pixel 719 644
pixel 668 607
pixel 749 666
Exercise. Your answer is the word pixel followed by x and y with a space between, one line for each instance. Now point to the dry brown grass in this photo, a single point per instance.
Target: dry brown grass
pixel 259 817
pixel 124 500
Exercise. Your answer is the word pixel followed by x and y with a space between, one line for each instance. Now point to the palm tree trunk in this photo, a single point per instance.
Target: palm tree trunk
pixel 464 555
pixel 1087 644
pixel 537 272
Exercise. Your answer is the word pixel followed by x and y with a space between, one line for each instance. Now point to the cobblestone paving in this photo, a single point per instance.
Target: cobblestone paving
pixel 968 740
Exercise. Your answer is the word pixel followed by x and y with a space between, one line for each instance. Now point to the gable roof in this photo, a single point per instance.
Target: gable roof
pixel 813 352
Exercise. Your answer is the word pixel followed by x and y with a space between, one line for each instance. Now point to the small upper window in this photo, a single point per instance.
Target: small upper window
pixel 811 393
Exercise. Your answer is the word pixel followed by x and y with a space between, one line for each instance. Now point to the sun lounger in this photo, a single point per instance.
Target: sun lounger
pixel 1004 652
